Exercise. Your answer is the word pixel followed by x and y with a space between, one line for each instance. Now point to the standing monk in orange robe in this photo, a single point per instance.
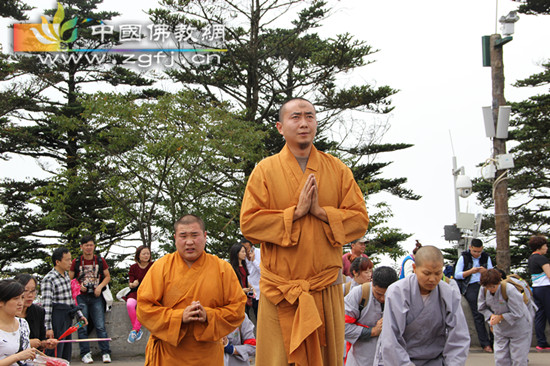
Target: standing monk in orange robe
pixel 189 300
pixel 302 205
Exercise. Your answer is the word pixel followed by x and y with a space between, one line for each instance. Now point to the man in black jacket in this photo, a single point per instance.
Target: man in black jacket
pixel 471 264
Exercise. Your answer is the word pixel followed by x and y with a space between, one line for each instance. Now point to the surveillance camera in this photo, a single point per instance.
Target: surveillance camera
pixel 463 186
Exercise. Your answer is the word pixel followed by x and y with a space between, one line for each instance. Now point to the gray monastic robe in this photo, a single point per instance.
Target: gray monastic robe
pixel 362 352
pixel 513 334
pixel 237 338
pixel 420 333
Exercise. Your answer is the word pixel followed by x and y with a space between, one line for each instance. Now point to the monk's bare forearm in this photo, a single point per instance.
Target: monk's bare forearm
pixel 320 213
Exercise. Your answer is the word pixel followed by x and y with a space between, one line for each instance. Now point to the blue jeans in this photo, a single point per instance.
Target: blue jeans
pixel 93 309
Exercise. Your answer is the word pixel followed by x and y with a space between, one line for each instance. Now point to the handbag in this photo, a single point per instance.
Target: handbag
pixel 108 297
pixel 125 291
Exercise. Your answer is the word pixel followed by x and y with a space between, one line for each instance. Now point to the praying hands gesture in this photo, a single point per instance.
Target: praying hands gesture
pixel 308 202
pixel 194 312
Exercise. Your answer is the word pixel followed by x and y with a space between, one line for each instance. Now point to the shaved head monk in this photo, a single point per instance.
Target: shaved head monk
pixel 302 206
pixel 189 300
pixel 423 319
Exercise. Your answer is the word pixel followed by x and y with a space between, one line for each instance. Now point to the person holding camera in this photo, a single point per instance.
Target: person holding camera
pixel 92 273
pixel 237 259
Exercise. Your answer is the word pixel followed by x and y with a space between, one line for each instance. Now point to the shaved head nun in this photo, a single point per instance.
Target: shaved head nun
pixel 428 254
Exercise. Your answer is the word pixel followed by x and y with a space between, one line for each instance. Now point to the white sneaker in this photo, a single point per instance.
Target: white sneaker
pixel 106 358
pixel 87 358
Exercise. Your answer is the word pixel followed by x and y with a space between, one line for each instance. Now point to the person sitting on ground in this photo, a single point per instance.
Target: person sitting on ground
pixel 34 314
pixel 503 307
pixel 361 271
pixel 136 274
pixel 14 332
pixel 240 345
pixel 364 316
pixel 423 319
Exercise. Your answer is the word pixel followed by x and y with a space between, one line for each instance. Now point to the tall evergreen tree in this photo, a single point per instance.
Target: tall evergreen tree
pixel 266 65
pixel 41 118
pixel 188 160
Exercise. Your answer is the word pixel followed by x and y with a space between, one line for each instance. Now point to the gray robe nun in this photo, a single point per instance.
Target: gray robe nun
pixel 513 334
pixel 361 352
pixel 422 332
pixel 245 351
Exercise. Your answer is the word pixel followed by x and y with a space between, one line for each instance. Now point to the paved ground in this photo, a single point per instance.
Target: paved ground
pixel 476 358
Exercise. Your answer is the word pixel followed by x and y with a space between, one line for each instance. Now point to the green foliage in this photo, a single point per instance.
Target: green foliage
pixel 535 7
pixel 14 9
pixel 267 64
pixel 181 153
pixel 41 118
pixel 384 240
pixel 529 180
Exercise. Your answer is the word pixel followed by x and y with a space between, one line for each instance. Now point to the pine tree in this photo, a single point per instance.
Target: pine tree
pixel 41 118
pixel 266 65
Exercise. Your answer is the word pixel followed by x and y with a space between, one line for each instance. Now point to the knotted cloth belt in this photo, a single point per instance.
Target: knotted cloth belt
pixel 301 315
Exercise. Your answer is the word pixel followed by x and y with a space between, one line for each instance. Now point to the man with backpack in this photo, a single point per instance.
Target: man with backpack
pixel 92 273
pixel 504 305
pixel 469 267
pixel 364 308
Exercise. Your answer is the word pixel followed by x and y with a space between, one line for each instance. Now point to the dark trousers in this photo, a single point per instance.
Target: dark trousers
pixel 252 309
pixel 485 337
pixel 542 300
pixel 61 321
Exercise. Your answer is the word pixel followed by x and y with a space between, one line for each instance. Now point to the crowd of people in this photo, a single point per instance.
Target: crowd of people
pixel 302 302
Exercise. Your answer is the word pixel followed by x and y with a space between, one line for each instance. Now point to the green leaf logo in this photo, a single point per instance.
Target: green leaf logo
pixel 52 33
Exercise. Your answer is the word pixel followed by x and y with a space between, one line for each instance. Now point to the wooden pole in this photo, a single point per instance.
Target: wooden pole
pixel 500 196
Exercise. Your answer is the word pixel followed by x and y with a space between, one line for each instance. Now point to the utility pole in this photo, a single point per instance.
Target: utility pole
pixel 500 189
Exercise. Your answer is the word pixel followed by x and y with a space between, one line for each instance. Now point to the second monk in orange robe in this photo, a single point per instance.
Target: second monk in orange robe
pixel 189 300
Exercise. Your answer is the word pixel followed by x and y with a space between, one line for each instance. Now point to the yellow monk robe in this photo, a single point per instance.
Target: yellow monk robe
pixel 168 288
pixel 301 260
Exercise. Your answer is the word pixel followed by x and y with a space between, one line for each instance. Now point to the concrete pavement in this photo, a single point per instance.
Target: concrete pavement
pixel 476 358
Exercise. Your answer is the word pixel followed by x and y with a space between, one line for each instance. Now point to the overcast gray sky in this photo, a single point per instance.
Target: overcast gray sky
pixel 431 51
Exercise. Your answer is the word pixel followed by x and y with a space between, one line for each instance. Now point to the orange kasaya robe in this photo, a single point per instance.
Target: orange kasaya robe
pixel 302 260
pixel 168 288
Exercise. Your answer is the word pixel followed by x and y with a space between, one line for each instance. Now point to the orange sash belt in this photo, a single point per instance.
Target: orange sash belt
pixel 301 316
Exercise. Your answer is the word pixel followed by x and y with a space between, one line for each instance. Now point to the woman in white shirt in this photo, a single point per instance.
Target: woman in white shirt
pixel 14 332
